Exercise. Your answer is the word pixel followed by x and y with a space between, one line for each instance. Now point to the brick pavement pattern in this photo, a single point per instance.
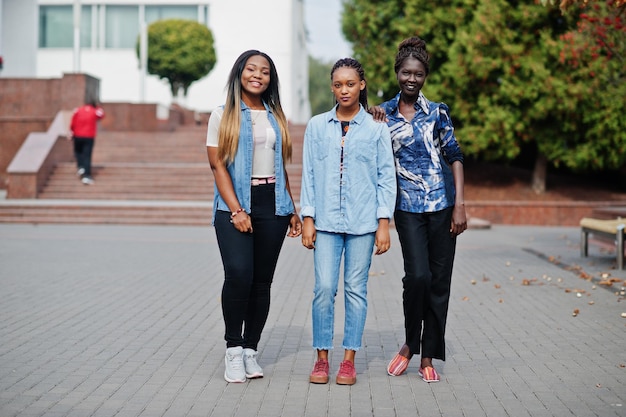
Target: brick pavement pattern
pixel 101 320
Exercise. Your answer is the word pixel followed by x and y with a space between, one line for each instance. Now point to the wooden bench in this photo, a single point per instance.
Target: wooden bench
pixel 606 229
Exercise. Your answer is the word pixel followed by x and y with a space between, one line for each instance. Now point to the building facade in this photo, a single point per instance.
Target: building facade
pixel 45 39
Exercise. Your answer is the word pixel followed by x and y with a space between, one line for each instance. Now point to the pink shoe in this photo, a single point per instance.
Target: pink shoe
pixel 346 374
pixel 429 374
pixel 320 372
pixel 398 365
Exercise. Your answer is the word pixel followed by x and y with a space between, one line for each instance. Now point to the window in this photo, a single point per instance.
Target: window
pixel 116 25
pixel 56 27
pixel 122 26
pixel 154 13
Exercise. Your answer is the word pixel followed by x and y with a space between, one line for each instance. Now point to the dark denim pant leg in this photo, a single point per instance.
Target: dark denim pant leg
pixel 249 263
pixel 428 250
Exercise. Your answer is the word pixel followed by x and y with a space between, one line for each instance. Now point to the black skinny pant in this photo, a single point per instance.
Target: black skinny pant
pixel 428 249
pixel 83 148
pixel 249 263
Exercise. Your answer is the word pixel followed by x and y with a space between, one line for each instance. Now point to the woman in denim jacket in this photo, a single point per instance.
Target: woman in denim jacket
pixel 347 200
pixel 248 144
pixel 430 211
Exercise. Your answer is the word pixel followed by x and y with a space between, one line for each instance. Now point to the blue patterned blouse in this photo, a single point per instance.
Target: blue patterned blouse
pixel 424 148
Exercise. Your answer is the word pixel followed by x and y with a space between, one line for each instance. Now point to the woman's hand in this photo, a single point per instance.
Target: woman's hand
pixel 459 220
pixel 308 233
pixel 382 240
pixel 241 221
pixel 295 226
pixel 378 114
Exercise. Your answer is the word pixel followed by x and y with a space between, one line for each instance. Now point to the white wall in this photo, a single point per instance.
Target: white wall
pixel 236 26
pixel 18 39
pixel 250 24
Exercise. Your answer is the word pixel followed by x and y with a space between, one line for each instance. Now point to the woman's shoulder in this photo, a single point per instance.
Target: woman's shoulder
pixel 321 118
pixel 433 105
pixel 368 122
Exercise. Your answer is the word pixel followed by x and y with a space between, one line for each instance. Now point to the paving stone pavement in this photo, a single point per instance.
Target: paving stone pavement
pixel 104 320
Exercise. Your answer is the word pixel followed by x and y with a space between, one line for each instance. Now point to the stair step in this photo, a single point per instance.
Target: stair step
pixel 140 178
pixel 94 212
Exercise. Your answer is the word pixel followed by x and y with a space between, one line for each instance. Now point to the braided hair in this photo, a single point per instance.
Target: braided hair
pixel 355 65
pixel 413 47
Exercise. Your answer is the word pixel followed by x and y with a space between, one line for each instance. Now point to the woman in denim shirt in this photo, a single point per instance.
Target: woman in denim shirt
pixel 248 144
pixel 348 194
pixel 430 211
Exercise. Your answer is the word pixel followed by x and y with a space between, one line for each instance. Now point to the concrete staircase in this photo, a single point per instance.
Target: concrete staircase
pixel 140 178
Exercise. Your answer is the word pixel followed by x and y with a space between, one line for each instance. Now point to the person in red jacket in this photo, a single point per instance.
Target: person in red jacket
pixel 84 127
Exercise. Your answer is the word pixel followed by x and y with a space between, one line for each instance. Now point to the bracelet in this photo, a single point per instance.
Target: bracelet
pixel 236 212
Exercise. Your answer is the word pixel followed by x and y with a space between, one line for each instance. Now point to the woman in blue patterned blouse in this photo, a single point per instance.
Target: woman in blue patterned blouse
pixel 430 211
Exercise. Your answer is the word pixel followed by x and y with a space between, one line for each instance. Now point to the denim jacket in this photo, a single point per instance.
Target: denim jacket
pixel 366 191
pixel 240 169
pixel 424 148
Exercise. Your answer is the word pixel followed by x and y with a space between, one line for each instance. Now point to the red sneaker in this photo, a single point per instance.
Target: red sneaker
pixel 346 374
pixel 320 372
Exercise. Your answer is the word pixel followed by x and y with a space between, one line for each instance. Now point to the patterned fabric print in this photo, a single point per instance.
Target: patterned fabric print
pixel 345 126
pixel 423 149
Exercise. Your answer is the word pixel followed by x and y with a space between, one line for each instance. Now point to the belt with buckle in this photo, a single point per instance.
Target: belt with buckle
pixel 263 181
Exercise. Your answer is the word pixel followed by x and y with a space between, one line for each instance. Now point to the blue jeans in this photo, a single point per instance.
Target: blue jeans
pixel 357 251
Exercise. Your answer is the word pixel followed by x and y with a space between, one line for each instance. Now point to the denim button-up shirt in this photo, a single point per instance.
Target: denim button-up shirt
pixel 367 189
pixel 240 169
pixel 424 148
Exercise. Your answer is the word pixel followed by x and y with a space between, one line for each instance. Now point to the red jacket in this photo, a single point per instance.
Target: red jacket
pixel 84 121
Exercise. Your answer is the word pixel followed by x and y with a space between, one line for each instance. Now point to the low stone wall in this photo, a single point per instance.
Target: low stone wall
pixel 36 158
pixel 540 213
pixel 137 117
pixel 30 105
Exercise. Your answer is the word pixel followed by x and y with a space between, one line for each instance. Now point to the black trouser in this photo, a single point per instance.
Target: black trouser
pixel 83 148
pixel 249 263
pixel 428 249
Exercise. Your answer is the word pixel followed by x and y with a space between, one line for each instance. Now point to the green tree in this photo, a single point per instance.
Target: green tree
pixel 593 57
pixel 320 95
pixel 512 93
pixel 179 51
pixel 499 65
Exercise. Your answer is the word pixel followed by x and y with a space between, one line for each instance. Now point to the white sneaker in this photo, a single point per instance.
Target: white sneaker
pixel 234 371
pixel 80 172
pixel 253 370
pixel 87 181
